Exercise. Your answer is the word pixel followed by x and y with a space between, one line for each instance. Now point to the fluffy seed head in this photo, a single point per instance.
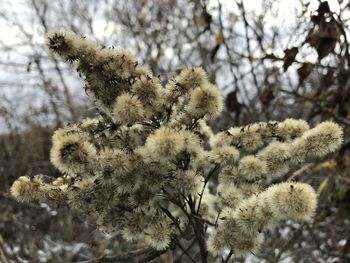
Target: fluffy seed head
pixel 276 155
pixel 216 242
pixel 147 89
pixel 188 182
pixel 121 62
pixel 128 109
pixel 252 216
pixel 191 78
pixel 159 232
pixel 245 138
pixel 220 139
pixel 88 125
pixel 205 101
pixel 191 142
pixel 251 168
pixel 203 130
pixel 292 128
pixel 229 195
pixel 319 141
pixel 230 235
pixel 208 205
pixel 291 200
pixel 61 43
pixel 164 143
pixel 114 160
pixel 24 189
pixel 71 153
pixel 225 155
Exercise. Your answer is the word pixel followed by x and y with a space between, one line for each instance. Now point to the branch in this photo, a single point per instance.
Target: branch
pixel 249 49
pixel 227 258
pixel 120 258
pixel 2 251
pixel 215 170
pixel 319 104
pixel 167 212
pixel 186 250
pixel 152 255
pixel 198 227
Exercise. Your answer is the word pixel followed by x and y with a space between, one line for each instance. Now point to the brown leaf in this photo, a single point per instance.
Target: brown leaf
pixel 313 39
pixel 325 47
pixel 329 29
pixel 304 71
pixel 207 18
pixel 325 38
pixel 219 38
pixel 213 52
pixel 232 103
pixel 289 57
pixel 316 19
pixel 343 76
pixel 327 80
pixel 204 19
pixel 323 8
pixel 267 95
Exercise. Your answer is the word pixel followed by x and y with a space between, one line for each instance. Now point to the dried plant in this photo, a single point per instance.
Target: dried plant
pixel 145 167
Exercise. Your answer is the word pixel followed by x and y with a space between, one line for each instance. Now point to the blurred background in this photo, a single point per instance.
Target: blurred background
pixel 272 59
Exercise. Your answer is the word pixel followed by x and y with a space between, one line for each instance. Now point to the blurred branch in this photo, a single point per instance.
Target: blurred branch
pixel 2 250
pixel 319 104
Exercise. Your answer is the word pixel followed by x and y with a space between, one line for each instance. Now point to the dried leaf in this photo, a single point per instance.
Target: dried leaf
pixel 329 29
pixel 304 71
pixel 232 103
pixel 330 164
pixel 204 20
pixel 325 47
pixel 323 8
pixel 316 19
pixel 213 52
pixel 289 57
pixel 219 38
pixel 313 39
pixel 268 94
pixel 325 38
pixel 323 186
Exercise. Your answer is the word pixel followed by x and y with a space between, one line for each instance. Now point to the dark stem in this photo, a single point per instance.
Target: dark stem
pixel 185 251
pixel 215 170
pixel 175 221
pixel 227 258
pixel 198 227
pixel 152 255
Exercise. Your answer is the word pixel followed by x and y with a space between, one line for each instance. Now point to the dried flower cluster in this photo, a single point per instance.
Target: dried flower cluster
pixel 143 167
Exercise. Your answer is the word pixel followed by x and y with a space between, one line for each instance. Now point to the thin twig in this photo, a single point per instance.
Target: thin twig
pixel 319 104
pixel 228 257
pixel 210 174
pixel 167 212
pixel 2 251
pixel 185 251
